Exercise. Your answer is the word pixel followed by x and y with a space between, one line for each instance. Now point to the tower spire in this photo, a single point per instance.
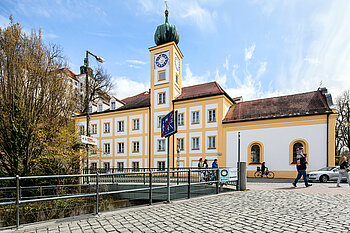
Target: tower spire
pixel 166 11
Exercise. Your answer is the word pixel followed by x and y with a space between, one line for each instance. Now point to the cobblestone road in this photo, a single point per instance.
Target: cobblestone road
pixel 266 208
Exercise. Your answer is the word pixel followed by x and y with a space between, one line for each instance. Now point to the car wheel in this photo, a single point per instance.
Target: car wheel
pixel 324 179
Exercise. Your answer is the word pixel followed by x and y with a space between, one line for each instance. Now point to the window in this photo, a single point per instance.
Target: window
pixel 81 130
pixel 180 143
pixel 161 145
pixel 161 75
pixel 107 148
pixel 106 165
pixel 211 142
pixel 113 105
pixel 120 166
pixel 160 121
pixel 100 107
pixel 93 166
pixel 195 143
pixel 135 166
pixel 135 147
pixel 161 165
pixel 255 153
pixel 120 148
pixel 195 117
pixel 293 150
pixel 135 124
pixel 120 126
pixel 106 127
pixel 94 129
pixel 161 98
pixel 212 115
pixel 180 119
pixel 93 150
pixel 177 79
pixel 90 109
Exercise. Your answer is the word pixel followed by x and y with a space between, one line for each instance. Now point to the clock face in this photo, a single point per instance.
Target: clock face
pixel 161 60
pixel 177 64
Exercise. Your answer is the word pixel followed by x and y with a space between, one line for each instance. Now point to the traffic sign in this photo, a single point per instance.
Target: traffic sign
pixel 169 124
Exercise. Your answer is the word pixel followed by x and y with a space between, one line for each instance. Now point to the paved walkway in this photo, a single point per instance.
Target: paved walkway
pixel 265 208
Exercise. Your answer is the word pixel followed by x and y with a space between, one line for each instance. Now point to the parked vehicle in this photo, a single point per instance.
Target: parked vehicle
pixel 325 174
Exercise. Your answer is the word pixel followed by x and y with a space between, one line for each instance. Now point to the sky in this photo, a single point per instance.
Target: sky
pixel 253 48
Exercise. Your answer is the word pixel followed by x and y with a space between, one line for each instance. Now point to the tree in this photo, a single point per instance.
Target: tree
pixel 34 99
pixel 99 86
pixel 343 123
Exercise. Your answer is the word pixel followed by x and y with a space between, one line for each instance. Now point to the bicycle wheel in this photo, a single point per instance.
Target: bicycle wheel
pixel 271 175
pixel 257 174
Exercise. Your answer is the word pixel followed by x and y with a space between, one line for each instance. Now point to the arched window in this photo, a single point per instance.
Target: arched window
pixel 255 153
pixel 294 145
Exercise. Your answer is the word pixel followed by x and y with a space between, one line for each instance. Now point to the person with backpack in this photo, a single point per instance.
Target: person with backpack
pixel 301 168
pixel 343 170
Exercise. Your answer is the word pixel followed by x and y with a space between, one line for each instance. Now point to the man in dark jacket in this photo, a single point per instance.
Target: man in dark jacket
pixel 301 167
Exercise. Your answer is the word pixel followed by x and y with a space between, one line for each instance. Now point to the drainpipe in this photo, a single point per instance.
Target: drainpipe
pixel 327 138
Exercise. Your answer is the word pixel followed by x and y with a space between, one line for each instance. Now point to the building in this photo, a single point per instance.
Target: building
pixel 209 121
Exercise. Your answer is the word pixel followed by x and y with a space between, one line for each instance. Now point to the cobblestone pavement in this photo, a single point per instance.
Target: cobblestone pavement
pixel 265 208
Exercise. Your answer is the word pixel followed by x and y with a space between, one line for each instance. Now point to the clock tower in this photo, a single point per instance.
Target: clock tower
pixel 166 64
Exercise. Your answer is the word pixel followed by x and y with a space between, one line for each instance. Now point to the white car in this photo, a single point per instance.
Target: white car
pixel 325 174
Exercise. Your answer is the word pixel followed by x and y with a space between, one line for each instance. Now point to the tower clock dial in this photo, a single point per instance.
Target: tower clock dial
pixel 162 60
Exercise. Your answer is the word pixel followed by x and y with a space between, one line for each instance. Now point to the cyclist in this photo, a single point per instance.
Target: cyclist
pixel 263 168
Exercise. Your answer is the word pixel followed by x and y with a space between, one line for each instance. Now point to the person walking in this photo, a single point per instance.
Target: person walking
pixel 205 166
pixel 215 165
pixel 200 166
pixel 343 170
pixel 301 168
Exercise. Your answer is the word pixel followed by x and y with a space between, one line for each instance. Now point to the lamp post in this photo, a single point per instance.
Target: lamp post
pixel 86 61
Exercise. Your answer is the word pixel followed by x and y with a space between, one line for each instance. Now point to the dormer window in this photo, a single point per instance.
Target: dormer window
pixel 113 106
pixel 90 109
pixel 100 107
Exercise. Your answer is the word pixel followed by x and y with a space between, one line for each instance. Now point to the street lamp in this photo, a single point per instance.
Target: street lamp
pixel 99 59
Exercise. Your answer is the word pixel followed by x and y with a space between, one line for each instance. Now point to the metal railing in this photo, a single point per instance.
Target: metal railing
pixel 88 185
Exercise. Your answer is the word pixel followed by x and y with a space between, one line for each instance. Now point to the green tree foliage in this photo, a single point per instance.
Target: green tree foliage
pixel 35 100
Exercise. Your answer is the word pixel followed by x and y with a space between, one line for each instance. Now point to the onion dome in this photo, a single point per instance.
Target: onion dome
pixel 166 32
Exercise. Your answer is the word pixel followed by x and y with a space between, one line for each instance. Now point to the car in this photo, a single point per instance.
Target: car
pixel 325 174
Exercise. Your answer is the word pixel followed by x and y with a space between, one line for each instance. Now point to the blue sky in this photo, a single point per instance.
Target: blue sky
pixel 254 49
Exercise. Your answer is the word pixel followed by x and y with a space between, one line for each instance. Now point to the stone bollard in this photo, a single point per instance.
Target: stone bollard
pixel 242 176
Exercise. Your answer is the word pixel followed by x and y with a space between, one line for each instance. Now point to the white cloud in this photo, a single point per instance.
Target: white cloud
pixel 125 87
pixel 249 52
pixel 312 60
pixel 189 79
pixel 226 64
pixel 221 79
pixel 136 62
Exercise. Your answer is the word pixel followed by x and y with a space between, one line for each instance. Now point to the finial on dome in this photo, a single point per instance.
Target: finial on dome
pixel 166 32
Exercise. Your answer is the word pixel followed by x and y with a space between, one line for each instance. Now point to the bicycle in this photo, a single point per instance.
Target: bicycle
pixel 267 173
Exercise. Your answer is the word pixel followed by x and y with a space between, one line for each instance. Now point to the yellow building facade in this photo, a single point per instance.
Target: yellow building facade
pixel 209 121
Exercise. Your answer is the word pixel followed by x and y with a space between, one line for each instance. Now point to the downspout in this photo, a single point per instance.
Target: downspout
pixel 327 139
pixel 149 135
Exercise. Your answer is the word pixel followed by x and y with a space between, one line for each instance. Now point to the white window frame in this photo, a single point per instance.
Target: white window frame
pixel 94 129
pixel 161 98
pixel 120 168
pixel 100 108
pixel 161 145
pixel 195 117
pixel 212 115
pixel 107 127
pixel 180 142
pixel 160 121
pixel 159 74
pixel 120 147
pixel 108 167
pixel 106 148
pixel 135 124
pixel 195 143
pixel 180 119
pixel 136 147
pixel 120 126
pixel 112 105
pixel 135 168
pixel 161 165
pixel 211 142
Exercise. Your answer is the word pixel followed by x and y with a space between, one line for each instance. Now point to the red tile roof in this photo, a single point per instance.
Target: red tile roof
pixel 202 90
pixel 69 73
pixel 137 101
pixel 310 103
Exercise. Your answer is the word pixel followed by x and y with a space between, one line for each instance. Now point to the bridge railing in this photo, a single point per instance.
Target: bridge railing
pixel 20 192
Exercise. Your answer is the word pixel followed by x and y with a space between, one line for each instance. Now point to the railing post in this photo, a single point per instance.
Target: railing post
pixel 177 175
pixel 189 184
pixel 97 190
pixel 150 187
pixel 17 200
pixel 217 181
pixel 144 177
